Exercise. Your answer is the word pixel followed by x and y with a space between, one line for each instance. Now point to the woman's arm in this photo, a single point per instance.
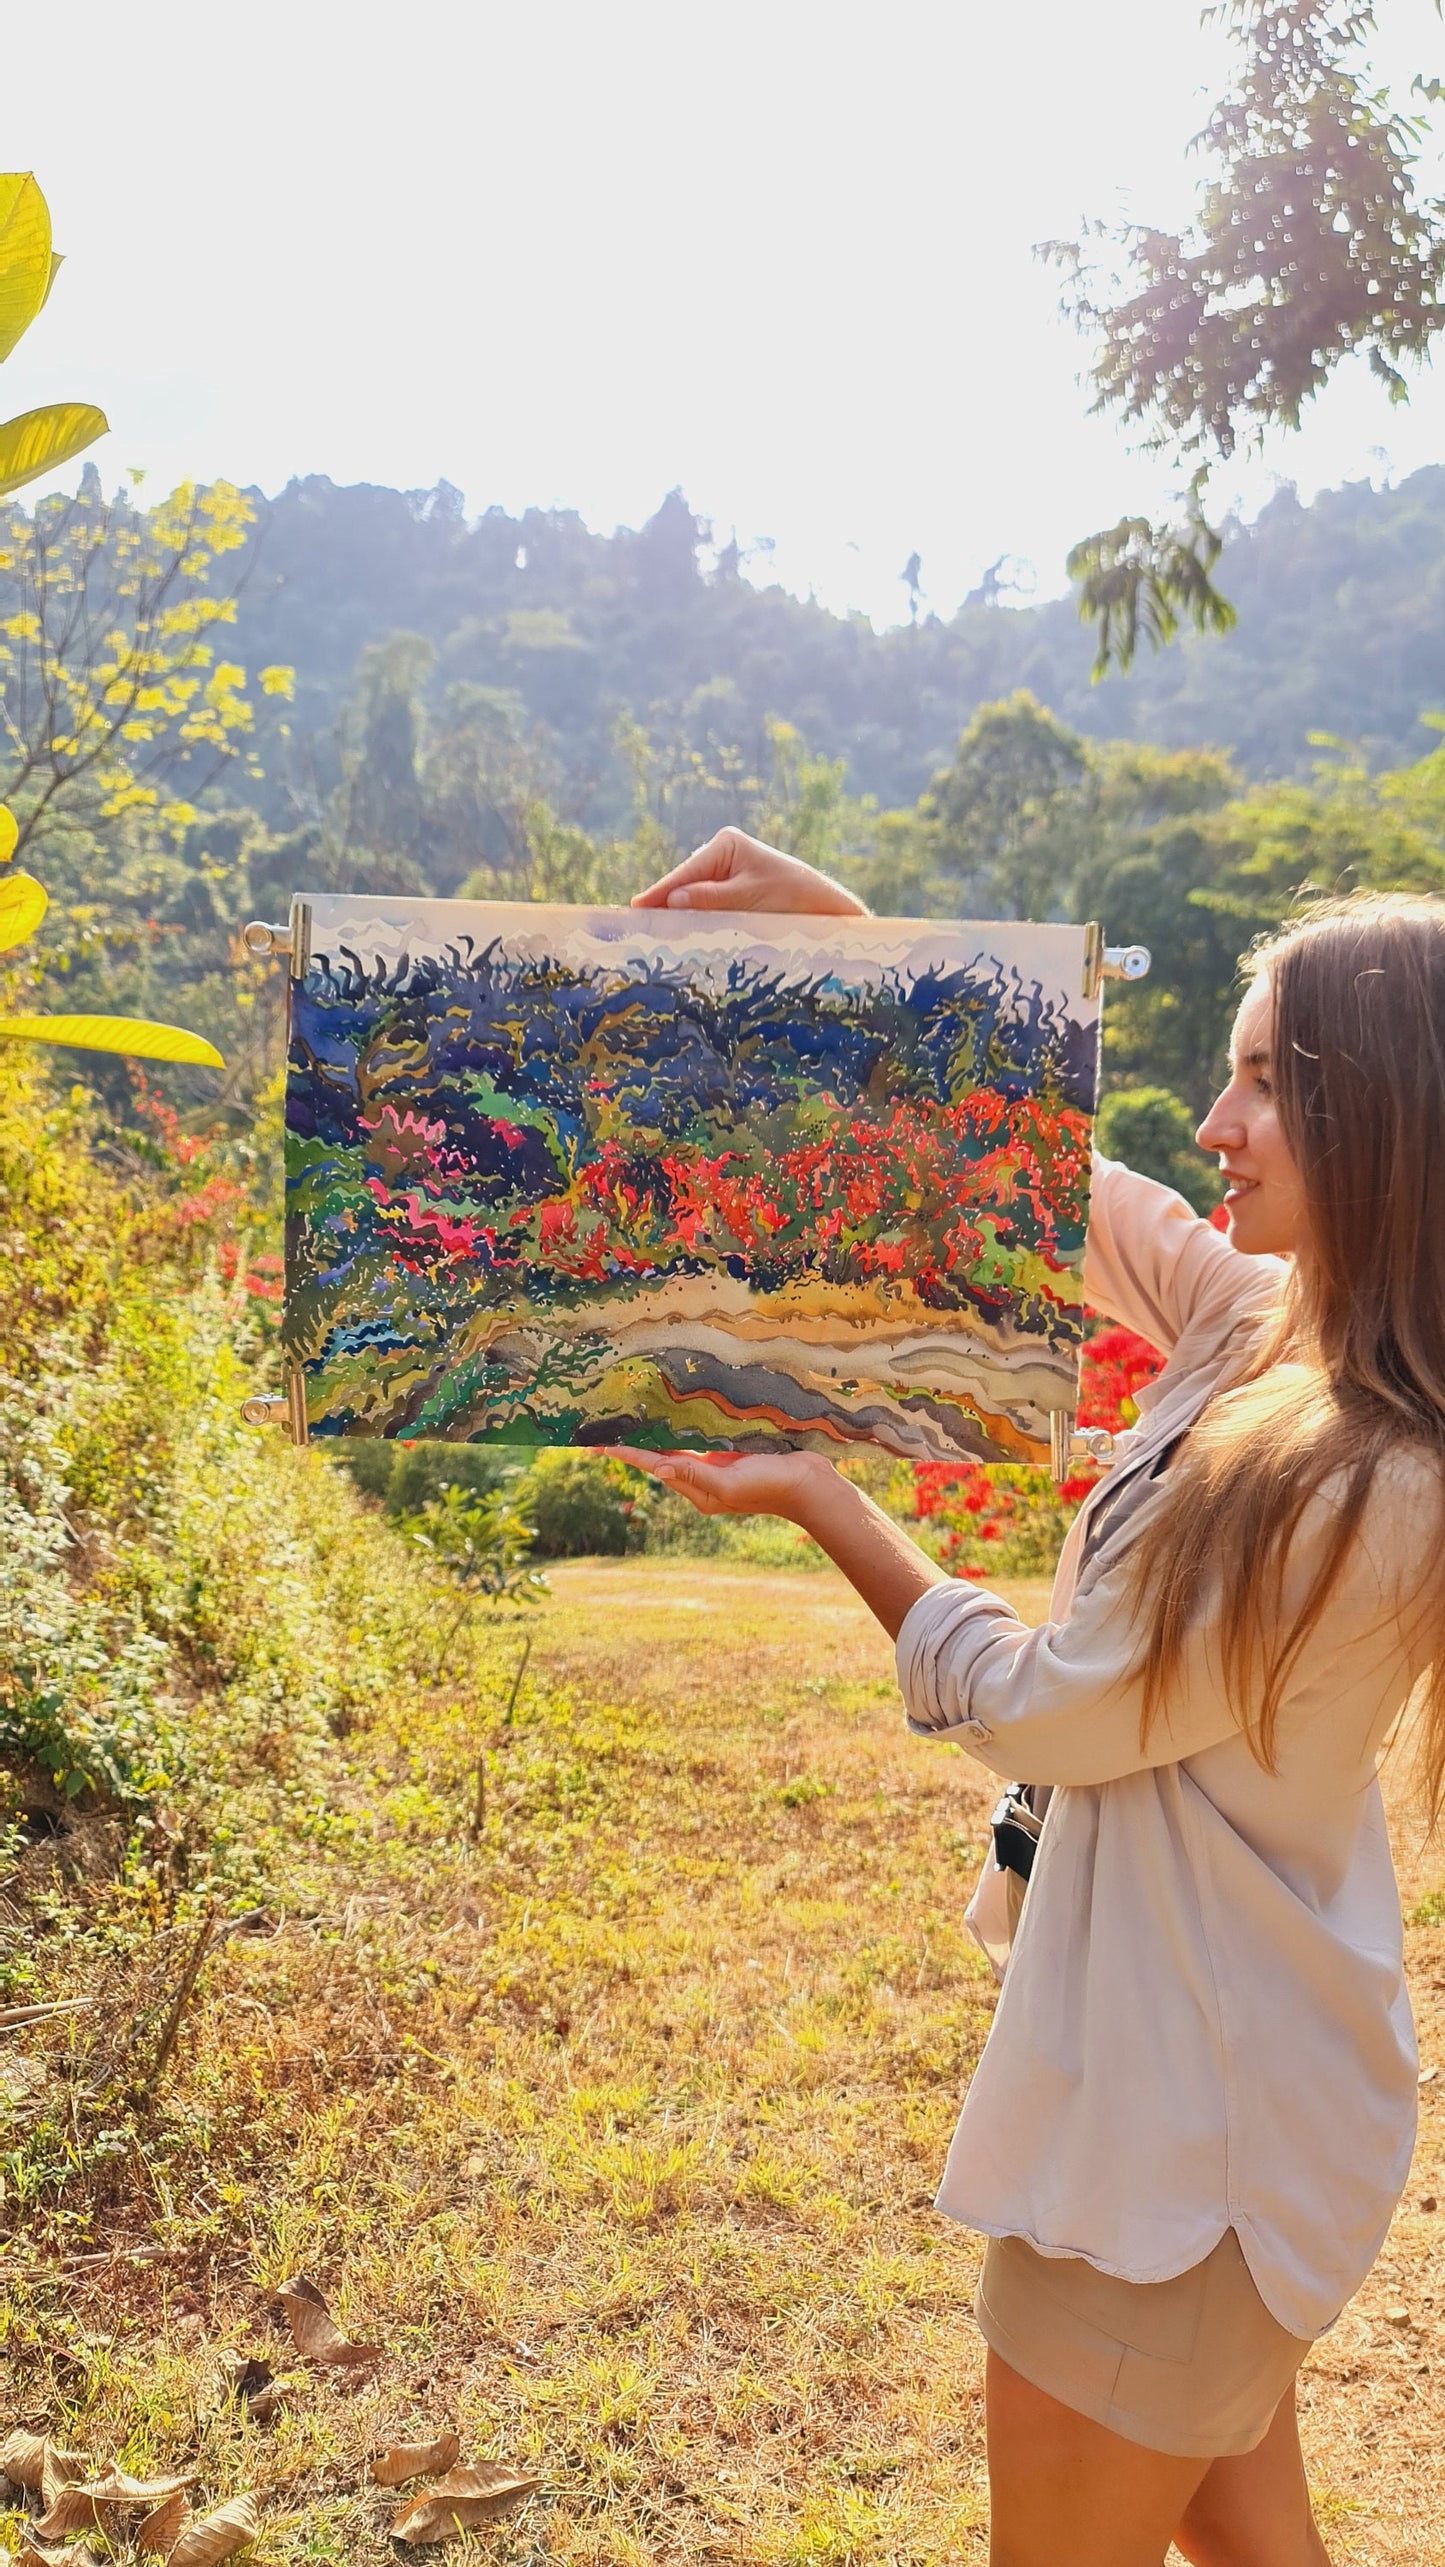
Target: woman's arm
pixel 875 1555
pixel 1058 1704
pixel 1150 1261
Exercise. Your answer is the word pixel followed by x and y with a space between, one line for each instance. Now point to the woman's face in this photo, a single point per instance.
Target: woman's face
pixel 1265 1201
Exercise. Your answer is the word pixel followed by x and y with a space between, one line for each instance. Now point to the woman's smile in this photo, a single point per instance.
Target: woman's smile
pixel 1265 1200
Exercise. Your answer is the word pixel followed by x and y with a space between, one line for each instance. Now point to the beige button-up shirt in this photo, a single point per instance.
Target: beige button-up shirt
pixel 1204 2022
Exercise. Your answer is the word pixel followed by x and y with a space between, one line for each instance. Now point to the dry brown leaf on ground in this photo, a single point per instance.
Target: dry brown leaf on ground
pixel 253 2385
pixel 32 2460
pixel 402 2460
pixel 82 2505
pixel 77 2555
pixel 69 2509
pixel 60 2469
pixel 22 2457
pixel 211 2537
pixel 463 2501
pixel 115 2486
pixel 314 2330
pixel 162 2529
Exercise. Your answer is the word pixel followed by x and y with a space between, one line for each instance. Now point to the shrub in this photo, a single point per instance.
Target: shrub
pixel 407 1477
pixel 583 1503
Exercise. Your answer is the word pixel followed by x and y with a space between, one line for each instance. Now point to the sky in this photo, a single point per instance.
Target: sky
pixel 576 253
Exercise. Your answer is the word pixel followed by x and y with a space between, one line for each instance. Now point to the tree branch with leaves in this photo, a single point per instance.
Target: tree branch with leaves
pixel 1311 243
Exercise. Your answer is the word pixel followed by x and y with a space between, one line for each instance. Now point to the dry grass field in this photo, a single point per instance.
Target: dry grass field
pixel 616 2129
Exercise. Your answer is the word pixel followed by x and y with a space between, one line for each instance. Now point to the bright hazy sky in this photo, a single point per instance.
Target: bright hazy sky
pixel 574 252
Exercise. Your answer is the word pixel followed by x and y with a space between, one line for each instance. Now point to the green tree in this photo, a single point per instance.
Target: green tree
pixel 1154 855
pixel 380 805
pixel 1009 821
pixel 1152 1130
pixel 484 1546
pixel 1311 243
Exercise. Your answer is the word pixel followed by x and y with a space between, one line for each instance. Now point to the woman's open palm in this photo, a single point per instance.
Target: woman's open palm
pixel 736 1483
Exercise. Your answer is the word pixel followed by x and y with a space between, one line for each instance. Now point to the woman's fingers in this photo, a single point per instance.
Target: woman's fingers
pixel 708 865
pixel 693 1476
pixel 734 871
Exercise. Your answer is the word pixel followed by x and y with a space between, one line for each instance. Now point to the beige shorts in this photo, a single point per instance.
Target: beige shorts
pixel 1195 2366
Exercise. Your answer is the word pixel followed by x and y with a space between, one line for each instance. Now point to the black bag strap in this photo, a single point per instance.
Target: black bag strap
pixel 1018 1820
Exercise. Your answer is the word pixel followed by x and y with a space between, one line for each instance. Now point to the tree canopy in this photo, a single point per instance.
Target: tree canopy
pixel 1311 243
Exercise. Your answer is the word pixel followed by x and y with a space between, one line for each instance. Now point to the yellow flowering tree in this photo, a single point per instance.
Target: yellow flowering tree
pixel 112 689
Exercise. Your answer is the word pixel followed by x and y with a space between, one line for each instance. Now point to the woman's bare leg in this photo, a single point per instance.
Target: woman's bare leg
pixel 1254 2511
pixel 1062 2487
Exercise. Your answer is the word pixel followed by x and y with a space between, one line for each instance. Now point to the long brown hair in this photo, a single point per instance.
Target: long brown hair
pixel 1352 1367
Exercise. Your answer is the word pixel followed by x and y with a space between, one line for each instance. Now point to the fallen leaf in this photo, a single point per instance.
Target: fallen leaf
pixel 82 2505
pixel 162 2529
pixel 464 2500
pixel 247 2375
pixel 59 2469
pixel 403 2460
pixel 27 2555
pixel 267 2403
pixel 314 2331
pixel 70 2509
pixel 115 2486
pixel 253 2383
pixel 211 2537
pixel 22 2458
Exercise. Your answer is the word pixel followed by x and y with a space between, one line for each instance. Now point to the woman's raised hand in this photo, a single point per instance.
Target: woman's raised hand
pixel 739 1483
pixel 734 871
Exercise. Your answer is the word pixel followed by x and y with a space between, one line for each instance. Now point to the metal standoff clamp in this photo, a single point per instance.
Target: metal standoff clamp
pixel 291 944
pixel 1110 962
pixel 261 940
pixel 281 1408
pixel 1091 1444
pixel 1070 1444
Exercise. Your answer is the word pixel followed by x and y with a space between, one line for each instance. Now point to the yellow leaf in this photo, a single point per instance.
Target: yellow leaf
pixel 40 440
pixel 23 903
pixel 9 833
pixel 279 681
pixel 133 1035
pixel 25 255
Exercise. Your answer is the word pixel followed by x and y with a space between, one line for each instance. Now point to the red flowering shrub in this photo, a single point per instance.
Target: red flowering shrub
pixel 209 1217
pixel 1009 1520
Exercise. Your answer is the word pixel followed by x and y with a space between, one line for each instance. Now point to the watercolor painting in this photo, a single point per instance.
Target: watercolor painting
pixel 687 1180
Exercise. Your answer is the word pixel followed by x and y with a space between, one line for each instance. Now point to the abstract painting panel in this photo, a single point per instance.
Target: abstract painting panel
pixel 687 1180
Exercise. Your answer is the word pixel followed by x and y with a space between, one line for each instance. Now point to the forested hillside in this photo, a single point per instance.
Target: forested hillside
pixel 1341 628
pixel 521 709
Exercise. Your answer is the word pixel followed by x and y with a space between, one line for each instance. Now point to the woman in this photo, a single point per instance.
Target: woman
pixel 1195 2111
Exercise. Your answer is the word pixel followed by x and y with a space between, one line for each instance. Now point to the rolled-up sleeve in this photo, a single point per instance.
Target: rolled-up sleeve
pixel 1058 1704
pixel 1063 1703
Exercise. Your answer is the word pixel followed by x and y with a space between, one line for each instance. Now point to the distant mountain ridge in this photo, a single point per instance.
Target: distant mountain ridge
pixel 1341 629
